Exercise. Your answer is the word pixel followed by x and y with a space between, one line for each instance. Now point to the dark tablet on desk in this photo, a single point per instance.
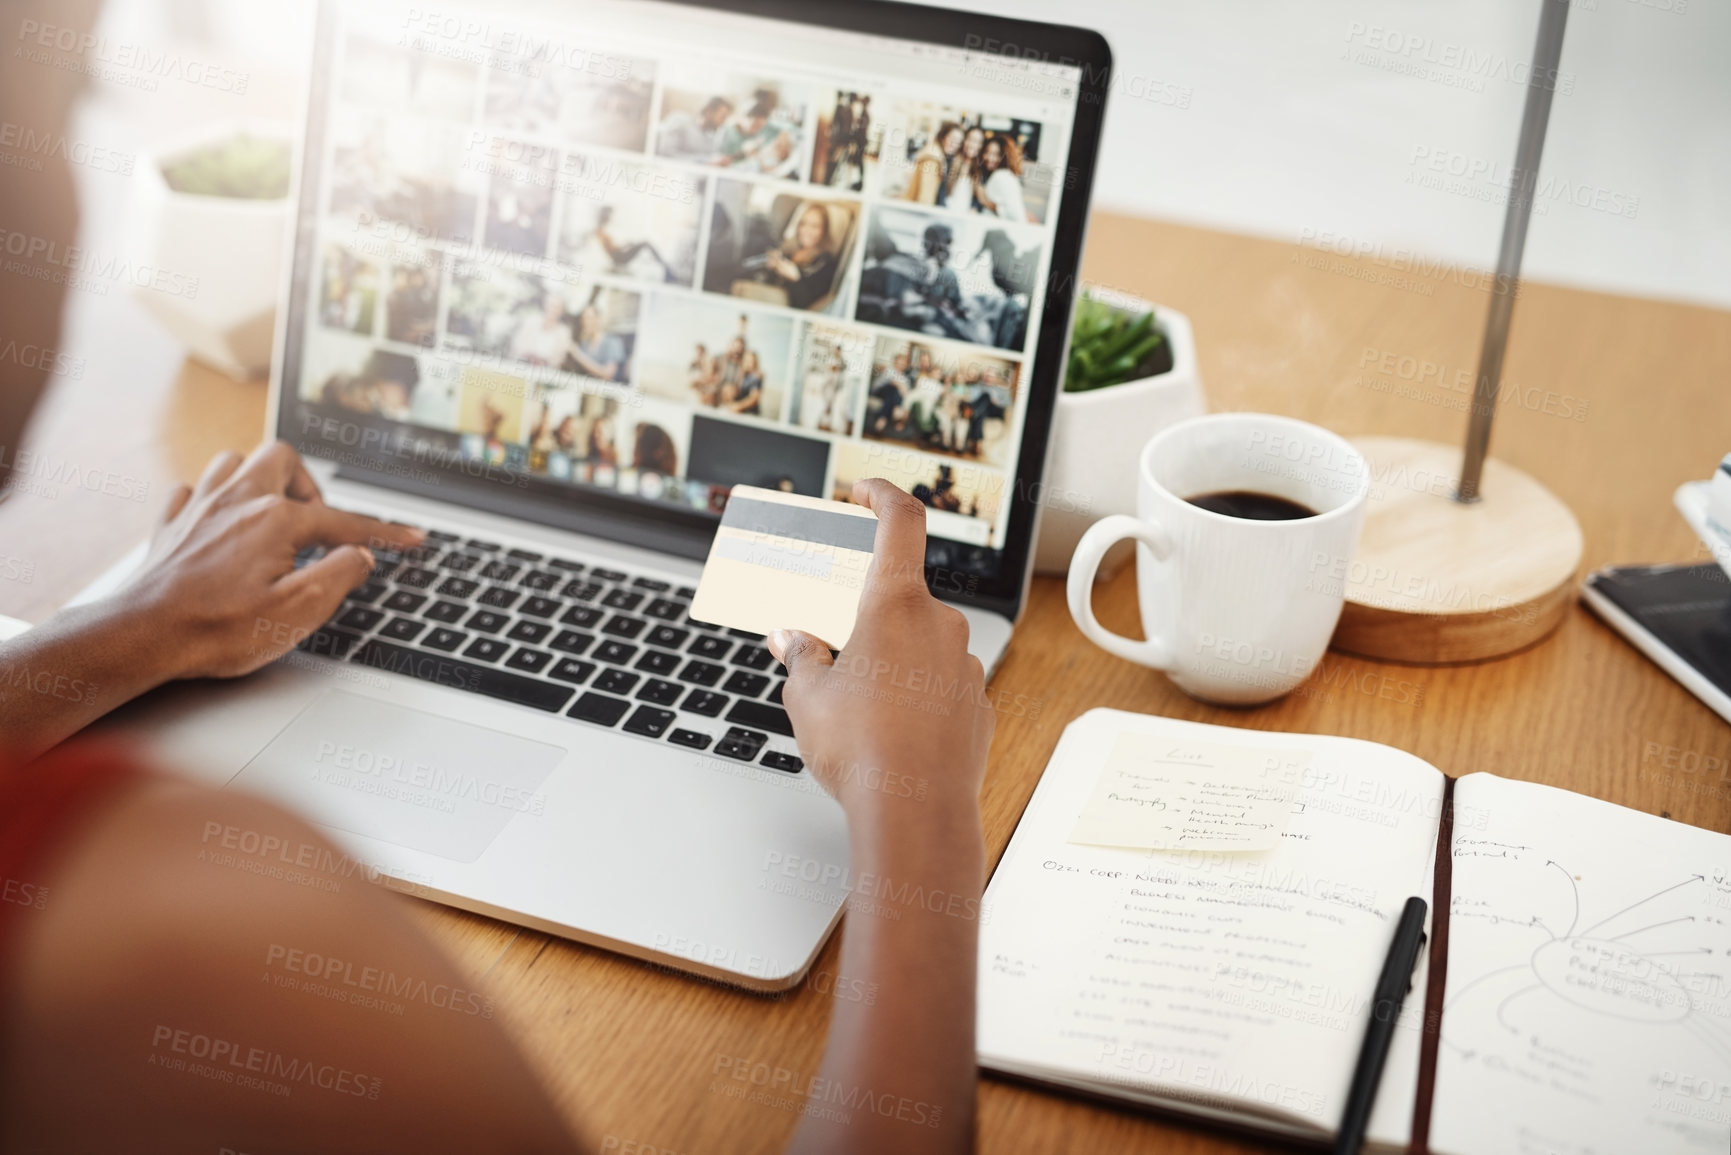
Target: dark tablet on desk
pixel 1679 616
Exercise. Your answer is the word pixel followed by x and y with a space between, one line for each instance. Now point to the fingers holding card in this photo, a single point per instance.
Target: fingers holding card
pixel 785 561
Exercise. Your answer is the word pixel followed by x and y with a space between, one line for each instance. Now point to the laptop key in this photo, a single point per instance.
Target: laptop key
pixel 440 535
pixel 567 565
pixel 539 580
pixel 446 612
pixel 329 642
pixel 753 657
pixel 746 634
pixel 709 646
pixel 701 673
pixel 528 660
pixel 450 672
pixel 653 585
pixel 622 600
pixel 499 571
pixel 691 738
pixel 539 607
pixel 523 554
pixel 761 716
pixel 659 662
pixel 477 543
pixel 666 610
pixel 704 702
pixel 458 562
pixel 384 565
pixel 417 578
pixel 487 621
pixel 608 575
pixel 614 653
pixel 499 597
pixel 445 640
pixel 572 641
pixel 745 683
pixel 403 629
pixel 685 593
pixel 571 670
pixel 660 692
pixel 585 616
pixel 366 593
pixel 458 587
pixel 776 760
pixel 361 618
pixel 741 744
pixel 486 649
pixel 667 636
pixel 579 590
pixel 650 721
pixel 616 681
pixel 775 694
pixel 404 602
pixel 621 626
pixel 600 709
pixel 531 632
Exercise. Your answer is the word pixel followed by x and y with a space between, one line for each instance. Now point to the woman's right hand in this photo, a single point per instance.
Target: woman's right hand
pixel 900 714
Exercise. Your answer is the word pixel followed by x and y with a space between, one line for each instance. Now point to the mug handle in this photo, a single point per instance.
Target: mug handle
pixel 1102 536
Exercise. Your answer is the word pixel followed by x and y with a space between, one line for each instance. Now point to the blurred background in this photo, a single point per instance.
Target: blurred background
pixel 1375 125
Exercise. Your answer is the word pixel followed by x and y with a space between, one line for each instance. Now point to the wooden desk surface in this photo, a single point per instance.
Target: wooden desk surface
pixel 1613 402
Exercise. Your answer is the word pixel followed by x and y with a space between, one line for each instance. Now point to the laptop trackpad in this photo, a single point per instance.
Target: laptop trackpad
pixel 402 776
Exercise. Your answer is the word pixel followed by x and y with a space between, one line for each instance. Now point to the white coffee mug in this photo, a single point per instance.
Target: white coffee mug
pixel 1235 611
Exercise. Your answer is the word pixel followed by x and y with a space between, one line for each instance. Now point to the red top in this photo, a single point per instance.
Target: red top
pixel 40 804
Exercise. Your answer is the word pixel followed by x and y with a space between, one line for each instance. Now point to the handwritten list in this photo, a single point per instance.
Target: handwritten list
pixel 1158 794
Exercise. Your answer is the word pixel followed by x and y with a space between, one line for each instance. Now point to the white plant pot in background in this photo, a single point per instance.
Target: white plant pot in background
pixel 1097 436
pixel 216 261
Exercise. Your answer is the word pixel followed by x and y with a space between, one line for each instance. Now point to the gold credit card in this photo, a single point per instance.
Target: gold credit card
pixel 788 562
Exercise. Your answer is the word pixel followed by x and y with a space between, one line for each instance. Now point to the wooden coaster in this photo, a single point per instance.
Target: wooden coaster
pixel 1435 581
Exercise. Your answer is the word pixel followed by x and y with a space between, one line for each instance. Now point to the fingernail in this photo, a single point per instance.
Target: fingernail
pixel 367 555
pixel 777 642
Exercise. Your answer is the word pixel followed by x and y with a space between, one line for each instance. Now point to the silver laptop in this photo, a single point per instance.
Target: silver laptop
pixel 562 276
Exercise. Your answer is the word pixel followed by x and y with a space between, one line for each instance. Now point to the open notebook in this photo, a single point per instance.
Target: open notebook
pixel 1585 1004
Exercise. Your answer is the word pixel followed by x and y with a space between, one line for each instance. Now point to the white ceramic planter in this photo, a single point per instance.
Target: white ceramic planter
pixel 215 262
pixel 1097 435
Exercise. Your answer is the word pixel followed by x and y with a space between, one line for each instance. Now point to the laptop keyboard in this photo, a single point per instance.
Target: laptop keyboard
pixel 602 646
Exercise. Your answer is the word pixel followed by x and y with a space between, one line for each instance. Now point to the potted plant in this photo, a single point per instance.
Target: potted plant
pixel 1131 373
pixel 210 222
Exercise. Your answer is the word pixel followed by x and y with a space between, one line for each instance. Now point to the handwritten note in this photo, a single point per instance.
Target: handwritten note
pixel 1157 794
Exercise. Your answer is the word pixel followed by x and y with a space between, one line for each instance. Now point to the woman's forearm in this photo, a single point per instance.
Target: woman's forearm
pixel 63 675
pixel 900 1071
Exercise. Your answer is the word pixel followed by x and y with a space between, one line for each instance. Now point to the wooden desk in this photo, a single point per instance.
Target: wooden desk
pixel 1636 405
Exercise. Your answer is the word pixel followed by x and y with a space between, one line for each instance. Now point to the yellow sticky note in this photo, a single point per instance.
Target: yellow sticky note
pixel 1158 794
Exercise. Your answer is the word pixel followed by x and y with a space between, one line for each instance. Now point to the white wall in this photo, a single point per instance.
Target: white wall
pixel 1285 131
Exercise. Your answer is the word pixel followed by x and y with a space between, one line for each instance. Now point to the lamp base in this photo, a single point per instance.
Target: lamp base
pixel 1435 581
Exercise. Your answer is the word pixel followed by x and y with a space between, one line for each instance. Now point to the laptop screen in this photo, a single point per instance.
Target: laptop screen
pixel 647 252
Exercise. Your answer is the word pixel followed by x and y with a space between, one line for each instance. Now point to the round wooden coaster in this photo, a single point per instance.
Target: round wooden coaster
pixel 1435 581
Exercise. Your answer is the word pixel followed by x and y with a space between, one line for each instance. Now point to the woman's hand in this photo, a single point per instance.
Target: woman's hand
pixel 904 699
pixel 897 727
pixel 220 584
pixel 218 595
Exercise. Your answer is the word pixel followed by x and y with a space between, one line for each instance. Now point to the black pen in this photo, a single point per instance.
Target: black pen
pixel 1391 991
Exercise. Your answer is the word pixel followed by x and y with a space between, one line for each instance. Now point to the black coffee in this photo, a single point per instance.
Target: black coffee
pixel 1251 506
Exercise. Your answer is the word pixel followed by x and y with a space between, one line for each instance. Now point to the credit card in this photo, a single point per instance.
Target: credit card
pixel 788 562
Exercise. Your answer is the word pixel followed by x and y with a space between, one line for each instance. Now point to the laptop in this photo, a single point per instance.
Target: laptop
pixel 563 276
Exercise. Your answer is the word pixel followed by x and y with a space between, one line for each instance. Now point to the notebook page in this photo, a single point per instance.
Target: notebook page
pixel 1588 1005
pixel 1211 978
